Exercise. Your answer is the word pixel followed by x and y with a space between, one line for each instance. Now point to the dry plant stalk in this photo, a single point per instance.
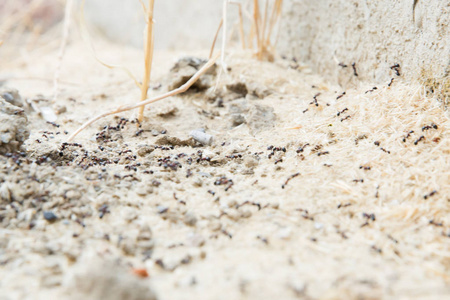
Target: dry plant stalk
pixel 123 108
pixel 261 29
pixel 148 52
pixel 15 15
pixel 241 28
pixel 149 45
pixel 211 52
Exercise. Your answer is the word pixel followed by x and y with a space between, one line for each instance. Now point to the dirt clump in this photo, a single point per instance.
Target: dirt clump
pixel 14 126
pixel 185 68
pixel 12 96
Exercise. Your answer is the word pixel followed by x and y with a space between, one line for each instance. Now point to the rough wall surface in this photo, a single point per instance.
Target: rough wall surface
pixel 374 34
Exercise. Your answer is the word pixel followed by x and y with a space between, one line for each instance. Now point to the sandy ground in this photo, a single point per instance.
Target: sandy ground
pixel 305 193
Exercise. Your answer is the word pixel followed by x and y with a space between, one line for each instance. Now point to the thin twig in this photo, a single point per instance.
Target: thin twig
pixel 122 108
pixel 241 24
pixel 264 25
pixel 215 39
pixel 276 12
pixel 224 35
pixel 257 20
pixel 148 57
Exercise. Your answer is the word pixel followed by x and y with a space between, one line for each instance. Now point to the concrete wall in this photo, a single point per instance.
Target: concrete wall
pixel 375 34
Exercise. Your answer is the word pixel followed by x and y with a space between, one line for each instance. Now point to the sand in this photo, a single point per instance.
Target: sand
pixel 308 191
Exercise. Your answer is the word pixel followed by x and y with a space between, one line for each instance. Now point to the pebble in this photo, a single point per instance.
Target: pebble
pixel 129 214
pixel 200 136
pixel 60 109
pixel 197 182
pixel 246 214
pixel 190 219
pixel 73 195
pixel 161 209
pixel 12 96
pixel 250 162
pixel 143 189
pixel 285 233
pixel 195 240
pixel 215 225
pixel 204 174
pixel 318 225
pixel 50 216
pixel 143 150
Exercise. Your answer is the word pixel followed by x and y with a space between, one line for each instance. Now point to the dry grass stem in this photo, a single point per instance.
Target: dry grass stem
pixel 177 91
pixel 15 19
pixel 149 42
pixel 261 29
pixel 211 52
pixel 224 36
pixel 264 28
pixel 241 25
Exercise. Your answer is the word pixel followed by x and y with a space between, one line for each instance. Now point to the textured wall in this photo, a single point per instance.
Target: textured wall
pixel 374 34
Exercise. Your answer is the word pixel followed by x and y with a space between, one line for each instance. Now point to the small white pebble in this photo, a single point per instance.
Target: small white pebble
pixel 318 225
pixel 202 137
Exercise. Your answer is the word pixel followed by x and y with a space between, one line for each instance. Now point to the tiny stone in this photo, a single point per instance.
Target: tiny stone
pixel 143 150
pixel 161 209
pixel 215 225
pixel 73 195
pixel 143 189
pixel 231 203
pixel 233 215
pixel 190 219
pixel 250 162
pixel 285 233
pixel 196 240
pixel 50 216
pixel 8 97
pixel 318 225
pixel 60 109
pixel 12 96
pixel 246 214
pixel 200 136
pixel 204 174
pixel 198 182
pixel 129 214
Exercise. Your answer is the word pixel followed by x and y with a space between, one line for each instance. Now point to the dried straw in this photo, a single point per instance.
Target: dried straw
pixel 149 45
pixel 177 91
